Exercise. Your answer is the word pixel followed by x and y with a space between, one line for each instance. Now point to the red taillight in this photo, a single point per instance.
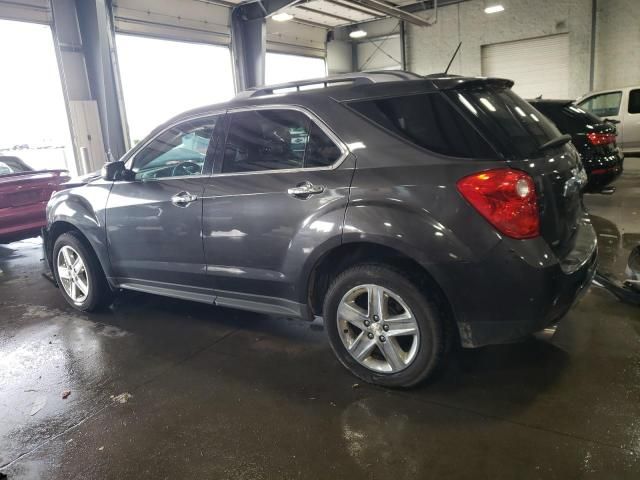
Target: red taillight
pixel 601 138
pixel 506 198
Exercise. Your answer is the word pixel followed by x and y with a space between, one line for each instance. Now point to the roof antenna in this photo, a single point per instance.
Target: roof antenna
pixel 452 58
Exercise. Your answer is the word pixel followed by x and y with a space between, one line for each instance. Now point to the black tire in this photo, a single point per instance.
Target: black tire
pixel 432 343
pixel 99 293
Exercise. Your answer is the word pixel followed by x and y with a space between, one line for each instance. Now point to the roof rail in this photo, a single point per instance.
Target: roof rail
pixel 361 78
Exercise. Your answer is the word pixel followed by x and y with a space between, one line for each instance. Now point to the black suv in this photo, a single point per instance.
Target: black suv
pixel 408 212
pixel 594 139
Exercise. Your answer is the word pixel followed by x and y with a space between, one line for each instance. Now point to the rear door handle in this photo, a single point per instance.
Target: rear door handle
pixel 305 190
pixel 183 199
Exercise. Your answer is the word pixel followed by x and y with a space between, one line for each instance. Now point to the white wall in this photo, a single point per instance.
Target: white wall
pixel 429 49
pixel 617 37
pixel 617 44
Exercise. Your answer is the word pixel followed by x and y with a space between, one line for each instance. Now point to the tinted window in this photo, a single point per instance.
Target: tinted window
pixel 321 151
pixel 510 121
pixel 567 117
pixel 181 150
pixel 603 105
pixel 429 121
pixel 276 140
pixel 634 101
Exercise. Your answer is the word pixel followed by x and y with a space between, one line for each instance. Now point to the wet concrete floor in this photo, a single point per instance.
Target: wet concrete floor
pixel 217 393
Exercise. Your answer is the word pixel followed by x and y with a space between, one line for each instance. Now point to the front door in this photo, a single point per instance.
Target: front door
pixel 607 106
pixel 632 121
pixel 279 190
pixel 154 223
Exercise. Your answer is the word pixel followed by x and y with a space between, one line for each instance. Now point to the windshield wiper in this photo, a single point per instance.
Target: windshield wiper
pixel 556 142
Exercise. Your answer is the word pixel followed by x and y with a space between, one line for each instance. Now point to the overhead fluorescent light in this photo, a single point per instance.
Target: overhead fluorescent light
pixel 358 34
pixel 494 9
pixel 282 17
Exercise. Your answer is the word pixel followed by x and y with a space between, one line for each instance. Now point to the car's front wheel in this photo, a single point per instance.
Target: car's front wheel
pixel 78 273
pixel 382 327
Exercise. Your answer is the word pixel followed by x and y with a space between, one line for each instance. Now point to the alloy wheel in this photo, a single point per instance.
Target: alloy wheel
pixel 378 328
pixel 72 273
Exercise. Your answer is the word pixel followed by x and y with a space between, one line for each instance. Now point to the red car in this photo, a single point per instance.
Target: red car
pixel 24 194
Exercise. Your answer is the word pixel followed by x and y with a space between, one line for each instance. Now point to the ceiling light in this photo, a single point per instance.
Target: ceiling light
pixel 358 34
pixel 282 17
pixel 494 9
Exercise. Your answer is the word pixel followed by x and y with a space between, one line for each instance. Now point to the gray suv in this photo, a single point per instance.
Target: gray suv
pixel 409 212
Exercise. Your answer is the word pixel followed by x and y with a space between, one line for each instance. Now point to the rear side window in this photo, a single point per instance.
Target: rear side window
pixel 567 117
pixel 512 123
pixel 634 101
pixel 277 139
pixel 321 151
pixel 603 105
pixel 429 121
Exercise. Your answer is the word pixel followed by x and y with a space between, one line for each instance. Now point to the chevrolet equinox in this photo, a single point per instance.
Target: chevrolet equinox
pixel 409 212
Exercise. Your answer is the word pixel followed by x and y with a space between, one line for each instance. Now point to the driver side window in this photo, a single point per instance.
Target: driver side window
pixel 179 151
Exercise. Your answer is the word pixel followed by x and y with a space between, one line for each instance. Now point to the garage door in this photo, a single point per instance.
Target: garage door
pixel 539 66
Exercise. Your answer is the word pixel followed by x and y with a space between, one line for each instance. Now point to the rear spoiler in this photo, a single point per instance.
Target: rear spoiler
pixel 449 82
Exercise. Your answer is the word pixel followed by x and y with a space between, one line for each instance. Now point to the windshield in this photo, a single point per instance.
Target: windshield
pixel 517 129
pixel 9 165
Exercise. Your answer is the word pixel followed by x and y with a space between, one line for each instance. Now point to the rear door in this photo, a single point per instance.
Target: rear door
pixel 154 222
pixel 279 190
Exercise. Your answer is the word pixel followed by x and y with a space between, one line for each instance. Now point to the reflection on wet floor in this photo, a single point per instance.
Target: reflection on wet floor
pixel 216 393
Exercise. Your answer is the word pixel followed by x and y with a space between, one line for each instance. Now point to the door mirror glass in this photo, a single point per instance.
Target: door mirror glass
pixel 179 151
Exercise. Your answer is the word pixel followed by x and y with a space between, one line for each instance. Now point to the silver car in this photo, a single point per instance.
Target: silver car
pixel 622 106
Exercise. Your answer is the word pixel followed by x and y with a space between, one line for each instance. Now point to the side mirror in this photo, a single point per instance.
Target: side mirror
pixel 612 120
pixel 114 171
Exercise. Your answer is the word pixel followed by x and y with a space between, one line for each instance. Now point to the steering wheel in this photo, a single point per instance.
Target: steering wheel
pixel 186 168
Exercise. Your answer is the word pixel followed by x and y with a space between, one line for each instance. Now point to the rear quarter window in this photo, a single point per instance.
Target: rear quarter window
pixel 427 120
pixel 510 122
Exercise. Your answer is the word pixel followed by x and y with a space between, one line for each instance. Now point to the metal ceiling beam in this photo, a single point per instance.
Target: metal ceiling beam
pixel 326 14
pixel 343 4
pixel 395 12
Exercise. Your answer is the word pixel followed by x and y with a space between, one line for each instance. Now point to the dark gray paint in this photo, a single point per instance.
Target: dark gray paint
pixel 256 245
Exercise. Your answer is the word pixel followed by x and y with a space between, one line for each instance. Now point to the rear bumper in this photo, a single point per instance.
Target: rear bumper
pixel 508 295
pixel 603 171
pixel 17 223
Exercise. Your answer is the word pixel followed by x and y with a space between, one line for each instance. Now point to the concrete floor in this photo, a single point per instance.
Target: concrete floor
pixel 224 394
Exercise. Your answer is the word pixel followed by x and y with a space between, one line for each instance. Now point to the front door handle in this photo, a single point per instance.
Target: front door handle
pixel 305 189
pixel 183 199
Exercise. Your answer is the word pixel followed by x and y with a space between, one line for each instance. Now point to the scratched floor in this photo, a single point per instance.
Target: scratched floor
pixel 217 393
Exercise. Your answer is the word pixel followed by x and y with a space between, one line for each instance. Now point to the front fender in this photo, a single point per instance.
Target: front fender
pixel 83 208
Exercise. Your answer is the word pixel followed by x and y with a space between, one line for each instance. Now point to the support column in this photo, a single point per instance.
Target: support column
pixel 249 48
pixel 84 37
pixel 249 39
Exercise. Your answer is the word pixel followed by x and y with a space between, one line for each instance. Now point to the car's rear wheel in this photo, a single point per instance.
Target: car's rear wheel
pixel 78 273
pixel 382 327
